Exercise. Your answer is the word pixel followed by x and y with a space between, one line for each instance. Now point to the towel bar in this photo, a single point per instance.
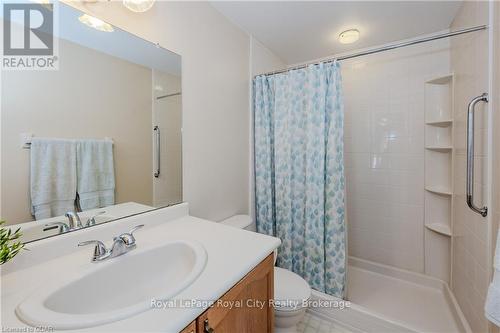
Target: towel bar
pixel 26 139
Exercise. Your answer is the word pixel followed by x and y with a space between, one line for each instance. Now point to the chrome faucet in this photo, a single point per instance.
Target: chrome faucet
pixel 74 221
pixel 91 221
pixel 121 245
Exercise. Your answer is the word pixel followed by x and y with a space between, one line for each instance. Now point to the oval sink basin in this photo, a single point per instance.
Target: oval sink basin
pixel 115 289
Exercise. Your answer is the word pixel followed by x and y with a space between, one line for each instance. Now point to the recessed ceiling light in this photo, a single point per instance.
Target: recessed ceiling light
pixel 95 23
pixel 349 36
pixel 139 6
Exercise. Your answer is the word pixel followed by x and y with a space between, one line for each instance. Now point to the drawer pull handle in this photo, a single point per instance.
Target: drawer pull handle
pixel 207 328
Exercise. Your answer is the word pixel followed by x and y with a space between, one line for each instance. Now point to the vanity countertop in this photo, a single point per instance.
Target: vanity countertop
pixel 231 254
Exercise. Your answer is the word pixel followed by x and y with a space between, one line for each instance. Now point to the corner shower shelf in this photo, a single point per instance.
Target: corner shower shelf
pixel 443 149
pixel 439 228
pixel 440 123
pixel 441 80
pixel 439 160
pixel 437 190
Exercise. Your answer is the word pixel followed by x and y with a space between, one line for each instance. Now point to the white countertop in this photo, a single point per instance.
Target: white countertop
pixel 232 253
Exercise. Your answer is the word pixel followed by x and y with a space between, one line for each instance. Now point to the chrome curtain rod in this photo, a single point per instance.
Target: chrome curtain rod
pixel 169 95
pixel 383 48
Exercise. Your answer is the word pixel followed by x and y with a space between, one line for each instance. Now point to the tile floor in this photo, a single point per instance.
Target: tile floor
pixel 314 324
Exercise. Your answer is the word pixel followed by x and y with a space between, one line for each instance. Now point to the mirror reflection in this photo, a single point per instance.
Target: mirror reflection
pixel 95 140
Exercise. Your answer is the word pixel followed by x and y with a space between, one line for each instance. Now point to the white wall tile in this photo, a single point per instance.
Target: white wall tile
pixel 469 60
pixel 384 149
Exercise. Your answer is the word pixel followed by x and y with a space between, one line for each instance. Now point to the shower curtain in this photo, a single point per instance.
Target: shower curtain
pixel 299 171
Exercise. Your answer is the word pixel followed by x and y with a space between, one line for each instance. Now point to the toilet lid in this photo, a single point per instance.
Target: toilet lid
pixel 290 290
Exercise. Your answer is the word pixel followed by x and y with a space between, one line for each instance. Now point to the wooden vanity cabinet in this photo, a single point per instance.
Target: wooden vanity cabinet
pixel 245 308
pixel 191 328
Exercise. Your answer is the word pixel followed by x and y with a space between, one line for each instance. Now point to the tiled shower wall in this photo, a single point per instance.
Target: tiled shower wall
pixel 471 258
pixel 384 151
pixel 496 124
pixel 496 139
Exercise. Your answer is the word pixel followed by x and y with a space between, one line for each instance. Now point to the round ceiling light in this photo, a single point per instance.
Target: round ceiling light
pixel 349 36
pixel 95 23
pixel 139 6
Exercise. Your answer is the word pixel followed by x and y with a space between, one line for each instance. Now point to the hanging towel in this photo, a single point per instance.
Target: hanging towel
pixel 95 173
pixel 492 307
pixel 53 177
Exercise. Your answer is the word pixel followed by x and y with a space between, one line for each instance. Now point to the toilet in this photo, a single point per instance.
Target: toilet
pixel 290 290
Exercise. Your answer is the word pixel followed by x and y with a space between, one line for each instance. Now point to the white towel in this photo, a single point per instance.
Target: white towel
pixel 492 307
pixel 96 176
pixel 53 177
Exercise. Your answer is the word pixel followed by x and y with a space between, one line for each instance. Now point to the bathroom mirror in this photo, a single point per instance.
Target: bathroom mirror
pixel 99 136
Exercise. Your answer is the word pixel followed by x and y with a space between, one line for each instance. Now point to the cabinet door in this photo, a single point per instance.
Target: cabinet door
pixel 245 308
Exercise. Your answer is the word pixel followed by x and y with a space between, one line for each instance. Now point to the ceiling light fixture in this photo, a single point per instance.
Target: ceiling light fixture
pixel 139 6
pixel 95 23
pixel 349 36
pixel 47 4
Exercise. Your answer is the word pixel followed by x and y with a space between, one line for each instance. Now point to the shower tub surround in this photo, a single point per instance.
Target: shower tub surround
pixel 473 238
pixel 392 263
pixel 51 259
pixel 391 300
pixel 384 152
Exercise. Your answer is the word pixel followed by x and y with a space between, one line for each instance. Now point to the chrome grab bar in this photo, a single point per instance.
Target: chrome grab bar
pixel 470 154
pixel 158 151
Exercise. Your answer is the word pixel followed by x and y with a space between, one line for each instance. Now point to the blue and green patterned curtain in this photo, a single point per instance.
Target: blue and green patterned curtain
pixel 299 171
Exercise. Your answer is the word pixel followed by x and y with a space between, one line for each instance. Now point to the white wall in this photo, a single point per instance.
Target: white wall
pixel 215 65
pixel 263 60
pixel 215 84
pixel 384 152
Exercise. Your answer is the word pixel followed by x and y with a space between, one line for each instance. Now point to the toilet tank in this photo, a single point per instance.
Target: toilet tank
pixel 239 221
pixel 243 222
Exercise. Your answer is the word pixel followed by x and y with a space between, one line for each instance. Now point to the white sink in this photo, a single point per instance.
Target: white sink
pixel 115 289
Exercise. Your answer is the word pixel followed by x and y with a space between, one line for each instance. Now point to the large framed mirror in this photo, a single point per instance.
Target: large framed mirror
pixel 95 140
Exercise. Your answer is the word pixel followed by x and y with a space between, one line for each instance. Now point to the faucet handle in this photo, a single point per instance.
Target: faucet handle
pixel 128 237
pixel 91 220
pixel 99 251
pixel 137 227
